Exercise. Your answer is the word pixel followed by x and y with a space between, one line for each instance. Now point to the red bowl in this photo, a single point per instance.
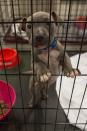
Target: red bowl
pixel 80 22
pixel 8 58
pixel 8 96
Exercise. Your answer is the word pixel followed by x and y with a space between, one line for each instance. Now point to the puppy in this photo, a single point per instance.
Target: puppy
pixel 49 55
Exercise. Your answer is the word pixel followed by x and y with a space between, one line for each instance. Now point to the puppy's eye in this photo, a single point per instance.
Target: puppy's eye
pixel 29 26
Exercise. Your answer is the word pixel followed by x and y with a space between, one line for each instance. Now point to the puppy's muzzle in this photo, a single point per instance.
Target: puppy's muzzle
pixel 39 38
pixel 40 41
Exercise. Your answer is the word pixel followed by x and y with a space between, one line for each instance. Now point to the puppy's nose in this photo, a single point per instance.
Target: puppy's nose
pixel 39 38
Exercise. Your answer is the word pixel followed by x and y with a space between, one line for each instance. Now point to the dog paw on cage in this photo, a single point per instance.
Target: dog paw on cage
pixel 72 73
pixel 45 77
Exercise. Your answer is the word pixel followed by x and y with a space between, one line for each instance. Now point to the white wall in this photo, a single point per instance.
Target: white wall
pixel 23 7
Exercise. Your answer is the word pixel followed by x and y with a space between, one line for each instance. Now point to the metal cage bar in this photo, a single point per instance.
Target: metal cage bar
pixel 9 11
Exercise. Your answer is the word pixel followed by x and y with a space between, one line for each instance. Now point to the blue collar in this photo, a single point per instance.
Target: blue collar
pixel 52 45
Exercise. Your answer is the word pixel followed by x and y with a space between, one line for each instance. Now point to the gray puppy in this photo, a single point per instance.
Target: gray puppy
pixel 49 55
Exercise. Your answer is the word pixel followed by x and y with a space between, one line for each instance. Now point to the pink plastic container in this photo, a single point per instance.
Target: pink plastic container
pixel 8 96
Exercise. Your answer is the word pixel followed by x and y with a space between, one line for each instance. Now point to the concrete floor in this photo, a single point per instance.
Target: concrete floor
pixel 24 119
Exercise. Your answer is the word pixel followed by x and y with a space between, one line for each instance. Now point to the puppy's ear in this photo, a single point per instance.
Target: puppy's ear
pixel 54 15
pixel 23 25
pixel 56 18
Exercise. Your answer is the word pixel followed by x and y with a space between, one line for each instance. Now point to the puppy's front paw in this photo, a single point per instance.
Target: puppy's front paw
pixel 73 73
pixel 45 77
